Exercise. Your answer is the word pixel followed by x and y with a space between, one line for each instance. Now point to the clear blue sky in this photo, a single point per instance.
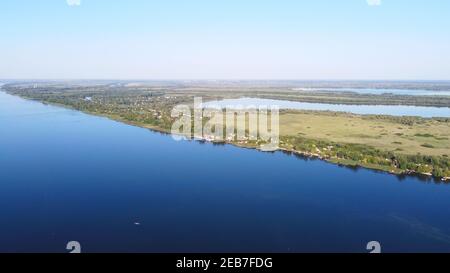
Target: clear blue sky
pixel 225 39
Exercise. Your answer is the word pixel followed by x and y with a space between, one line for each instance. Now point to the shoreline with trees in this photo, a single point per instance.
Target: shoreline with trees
pixel 398 145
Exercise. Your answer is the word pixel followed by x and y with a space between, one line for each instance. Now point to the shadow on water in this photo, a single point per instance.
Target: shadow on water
pixel 355 168
pixel 423 178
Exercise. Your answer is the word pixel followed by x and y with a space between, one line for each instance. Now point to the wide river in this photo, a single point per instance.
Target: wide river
pixel 392 110
pixel 381 91
pixel 66 175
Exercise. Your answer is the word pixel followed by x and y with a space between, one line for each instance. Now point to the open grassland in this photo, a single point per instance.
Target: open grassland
pixel 425 136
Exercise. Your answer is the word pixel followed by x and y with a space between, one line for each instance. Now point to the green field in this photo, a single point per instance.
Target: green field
pixel 427 136
pixel 388 143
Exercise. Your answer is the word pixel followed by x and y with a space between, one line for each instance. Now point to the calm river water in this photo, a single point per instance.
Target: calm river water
pixel 65 176
pixel 392 110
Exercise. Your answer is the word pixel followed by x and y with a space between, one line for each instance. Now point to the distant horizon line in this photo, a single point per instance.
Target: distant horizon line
pixel 224 79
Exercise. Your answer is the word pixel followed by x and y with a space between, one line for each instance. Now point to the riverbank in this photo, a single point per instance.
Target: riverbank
pixel 244 144
pixel 116 173
pixel 372 142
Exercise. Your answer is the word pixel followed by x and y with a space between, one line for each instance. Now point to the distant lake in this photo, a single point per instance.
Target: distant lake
pixel 381 91
pixel 393 110
pixel 66 175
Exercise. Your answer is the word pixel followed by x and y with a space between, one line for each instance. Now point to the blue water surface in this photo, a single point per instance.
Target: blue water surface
pixel 66 175
pixel 382 91
pixel 391 110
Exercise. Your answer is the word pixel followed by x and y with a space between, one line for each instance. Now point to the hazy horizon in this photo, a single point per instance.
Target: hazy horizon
pixel 229 80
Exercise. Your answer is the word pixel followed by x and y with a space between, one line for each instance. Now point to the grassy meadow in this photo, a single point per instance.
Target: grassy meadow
pixel 425 136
